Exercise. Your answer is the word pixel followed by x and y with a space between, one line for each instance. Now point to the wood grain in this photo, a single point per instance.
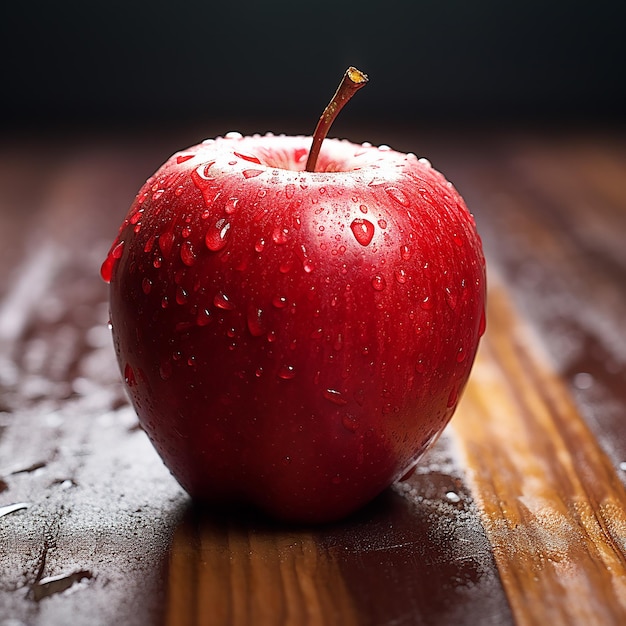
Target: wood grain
pixel 553 506
pixel 253 575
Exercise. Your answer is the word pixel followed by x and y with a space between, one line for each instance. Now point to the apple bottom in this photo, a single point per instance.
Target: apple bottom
pixel 283 458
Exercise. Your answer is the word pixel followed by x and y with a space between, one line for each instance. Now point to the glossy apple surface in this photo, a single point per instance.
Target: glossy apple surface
pixel 295 340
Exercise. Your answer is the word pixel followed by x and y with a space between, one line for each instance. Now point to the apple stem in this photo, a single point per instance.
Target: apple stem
pixel 351 82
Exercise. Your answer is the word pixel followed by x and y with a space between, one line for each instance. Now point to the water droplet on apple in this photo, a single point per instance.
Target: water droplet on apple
pixel 334 396
pixel 290 190
pixel 106 271
pixel 317 333
pixel 231 206
pixel 451 298
pixel 378 282
pixel 201 175
pixel 405 252
pixel 280 235
pixel 285 267
pixel 280 302
pixel 166 240
pixel 382 224
pixel 247 157
pixel 146 285
pixel 453 397
pixel 286 372
pixel 216 236
pixel 363 230
pixel 187 253
pixel 256 323
pixel 424 162
pixel 398 195
pixel 458 240
pixel 165 369
pixel 181 295
pixel 203 318
pixel 149 244
pixel 251 173
pixel 426 195
pixel 129 376
pixel 350 423
pixel 427 303
pixel 222 301
pixel 259 245
pixel 460 355
pixel 233 134
pixel 400 275
pixel 359 396
pixel 308 266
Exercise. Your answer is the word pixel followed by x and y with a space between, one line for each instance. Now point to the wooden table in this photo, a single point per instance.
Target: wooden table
pixel 516 516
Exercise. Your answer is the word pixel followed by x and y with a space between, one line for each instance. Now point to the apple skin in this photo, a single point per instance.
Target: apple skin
pixel 292 340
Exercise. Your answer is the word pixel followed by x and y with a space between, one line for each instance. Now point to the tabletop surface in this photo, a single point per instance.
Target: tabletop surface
pixel 516 516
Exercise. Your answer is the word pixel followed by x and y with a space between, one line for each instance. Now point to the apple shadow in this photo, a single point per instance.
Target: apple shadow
pixel 404 558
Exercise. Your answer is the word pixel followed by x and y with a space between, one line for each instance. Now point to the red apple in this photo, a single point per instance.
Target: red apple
pixel 295 339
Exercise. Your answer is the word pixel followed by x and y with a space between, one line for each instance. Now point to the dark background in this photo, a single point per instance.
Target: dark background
pixel 260 62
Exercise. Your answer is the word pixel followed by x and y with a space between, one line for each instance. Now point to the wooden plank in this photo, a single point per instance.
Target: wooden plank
pixel 553 507
pixel 239 575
